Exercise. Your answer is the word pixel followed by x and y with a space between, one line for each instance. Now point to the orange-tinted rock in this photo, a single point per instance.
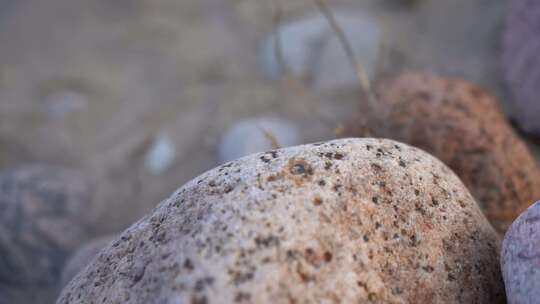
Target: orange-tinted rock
pixel 520 258
pixel 462 125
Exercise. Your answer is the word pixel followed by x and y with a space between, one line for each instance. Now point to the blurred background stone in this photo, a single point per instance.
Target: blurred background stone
pixel 312 51
pixel 160 154
pixel 42 220
pixel 460 38
pixel 521 61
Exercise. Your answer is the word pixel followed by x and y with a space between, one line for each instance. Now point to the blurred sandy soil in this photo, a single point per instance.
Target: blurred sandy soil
pixel 189 68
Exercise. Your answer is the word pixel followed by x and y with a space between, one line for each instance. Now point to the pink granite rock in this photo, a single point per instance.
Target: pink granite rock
pixel 346 221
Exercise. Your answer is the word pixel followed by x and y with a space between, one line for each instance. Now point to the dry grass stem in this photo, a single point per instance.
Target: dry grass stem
pixel 365 83
pixel 271 137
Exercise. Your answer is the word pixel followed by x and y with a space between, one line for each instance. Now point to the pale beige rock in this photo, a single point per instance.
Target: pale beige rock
pixel 351 221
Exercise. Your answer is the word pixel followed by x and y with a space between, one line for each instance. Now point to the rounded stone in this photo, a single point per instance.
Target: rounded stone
pixel 520 258
pixel 351 220
pixel 521 62
pixel 462 125
pixel 41 222
pixel 82 257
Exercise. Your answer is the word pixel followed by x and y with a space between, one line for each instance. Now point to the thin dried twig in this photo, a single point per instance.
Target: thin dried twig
pixel 271 137
pixel 278 44
pixel 359 70
pixel 280 58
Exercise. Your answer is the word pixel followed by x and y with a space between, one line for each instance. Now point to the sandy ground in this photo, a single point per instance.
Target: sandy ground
pixel 189 68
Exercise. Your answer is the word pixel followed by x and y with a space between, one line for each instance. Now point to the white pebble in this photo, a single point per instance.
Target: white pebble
pixel 160 155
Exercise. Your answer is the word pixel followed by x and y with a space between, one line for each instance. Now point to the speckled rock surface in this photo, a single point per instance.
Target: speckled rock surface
pixel 520 258
pixel 462 125
pixel 41 222
pixel 521 61
pixel 352 220
pixel 82 257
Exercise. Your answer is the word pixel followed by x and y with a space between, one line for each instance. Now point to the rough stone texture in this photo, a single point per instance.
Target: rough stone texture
pixel 521 61
pixel 520 261
pixel 41 222
pixel 462 125
pixel 351 221
pixel 82 257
